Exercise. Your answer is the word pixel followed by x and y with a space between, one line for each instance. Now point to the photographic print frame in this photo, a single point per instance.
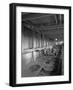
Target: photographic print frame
pixel 16 40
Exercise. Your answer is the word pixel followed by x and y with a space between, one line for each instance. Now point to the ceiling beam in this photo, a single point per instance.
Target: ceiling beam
pixel 44 28
pixel 32 18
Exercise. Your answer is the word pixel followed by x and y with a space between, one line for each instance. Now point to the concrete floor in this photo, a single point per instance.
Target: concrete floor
pixel 38 64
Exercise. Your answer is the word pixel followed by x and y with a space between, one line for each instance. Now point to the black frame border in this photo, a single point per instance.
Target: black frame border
pixel 12 43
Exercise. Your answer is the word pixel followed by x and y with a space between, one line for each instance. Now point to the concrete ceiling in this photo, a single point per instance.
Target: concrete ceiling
pixel 51 25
